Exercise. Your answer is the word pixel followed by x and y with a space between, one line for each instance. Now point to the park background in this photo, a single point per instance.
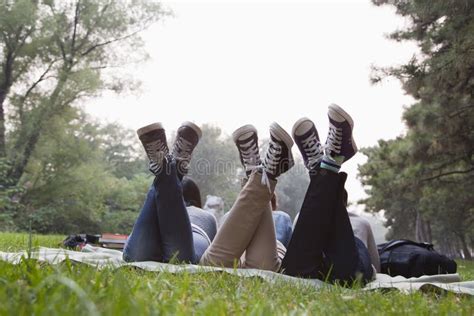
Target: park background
pixel 77 80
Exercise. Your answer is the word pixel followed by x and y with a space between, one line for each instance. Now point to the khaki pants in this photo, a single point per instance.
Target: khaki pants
pixel 248 228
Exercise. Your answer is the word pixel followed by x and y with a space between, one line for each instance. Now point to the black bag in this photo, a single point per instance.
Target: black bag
pixel 74 241
pixel 412 259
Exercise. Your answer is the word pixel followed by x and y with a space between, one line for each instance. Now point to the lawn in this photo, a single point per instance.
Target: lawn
pixel 76 289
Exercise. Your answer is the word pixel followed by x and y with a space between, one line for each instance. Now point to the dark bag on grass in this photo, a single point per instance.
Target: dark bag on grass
pixel 412 259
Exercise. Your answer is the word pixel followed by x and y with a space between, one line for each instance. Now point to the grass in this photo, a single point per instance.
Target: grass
pixel 76 289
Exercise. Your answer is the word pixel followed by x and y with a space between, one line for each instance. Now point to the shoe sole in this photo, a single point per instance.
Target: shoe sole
pixel 243 130
pixel 297 125
pixel 149 128
pixel 194 127
pixel 336 108
pixel 279 132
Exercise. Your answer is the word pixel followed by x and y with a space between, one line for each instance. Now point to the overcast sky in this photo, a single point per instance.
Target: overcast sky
pixel 234 63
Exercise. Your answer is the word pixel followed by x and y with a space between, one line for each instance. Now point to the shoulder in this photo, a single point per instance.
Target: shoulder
pixel 196 211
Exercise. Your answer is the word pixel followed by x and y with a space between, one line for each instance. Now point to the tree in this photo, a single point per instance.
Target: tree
pixel 74 187
pixel 391 186
pixel 56 53
pixel 436 170
pixel 440 79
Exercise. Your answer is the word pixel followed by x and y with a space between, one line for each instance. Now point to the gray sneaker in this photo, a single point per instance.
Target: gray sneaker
pixel 278 158
pixel 340 142
pixel 246 140
pixel 153 139
pixel 307 139
pixel 187 138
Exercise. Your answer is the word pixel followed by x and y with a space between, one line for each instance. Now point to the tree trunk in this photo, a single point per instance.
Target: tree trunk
pixel 27 141
pixel 3 150
pixel 5 85
pixel 422 229
pixel 465 248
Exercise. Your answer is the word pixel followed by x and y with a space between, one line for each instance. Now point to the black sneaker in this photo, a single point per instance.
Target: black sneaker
pixel 153 139
pixel 246 140
pixel 187 138
pixel 340 143
pixel 307 139
pixel 278 158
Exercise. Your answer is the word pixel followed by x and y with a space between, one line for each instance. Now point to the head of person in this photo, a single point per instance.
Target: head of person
pixel 191 192
pixel 273 202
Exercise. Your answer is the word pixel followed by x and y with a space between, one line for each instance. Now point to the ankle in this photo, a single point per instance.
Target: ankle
pixel 331 163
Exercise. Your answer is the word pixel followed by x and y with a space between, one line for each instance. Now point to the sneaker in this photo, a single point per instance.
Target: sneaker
pixel 153 139
pixel 187 138
pixel 246 140
pixel 307 139
pixel 278 158
pixel 340 144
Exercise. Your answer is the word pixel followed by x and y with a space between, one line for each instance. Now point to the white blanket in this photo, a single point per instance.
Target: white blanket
pixel 101 258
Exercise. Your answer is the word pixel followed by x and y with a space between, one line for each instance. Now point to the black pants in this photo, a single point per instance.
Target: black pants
pixel 323 245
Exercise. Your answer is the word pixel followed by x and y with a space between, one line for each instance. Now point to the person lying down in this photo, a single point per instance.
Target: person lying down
pixel 172 226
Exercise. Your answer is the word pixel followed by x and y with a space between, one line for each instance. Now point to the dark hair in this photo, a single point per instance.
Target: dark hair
pixel 191 192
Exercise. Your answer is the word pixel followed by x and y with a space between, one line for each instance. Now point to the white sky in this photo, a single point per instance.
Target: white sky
pixel 233 63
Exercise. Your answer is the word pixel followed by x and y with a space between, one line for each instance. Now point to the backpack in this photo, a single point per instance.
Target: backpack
pixel 412 259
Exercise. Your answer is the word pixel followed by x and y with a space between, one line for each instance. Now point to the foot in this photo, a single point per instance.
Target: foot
pixel 153 139
pixel 246 140
pixel 278 158
pixel 340 145
pixel 307 139
pixel 187 139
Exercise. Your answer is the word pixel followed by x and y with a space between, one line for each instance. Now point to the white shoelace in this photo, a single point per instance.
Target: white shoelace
pixel 334 141
pixel 271 163
pixel 154 148
pixel 182 146
pixel 249 155
pixel 273 156
pixel 265 179
pixel 313 150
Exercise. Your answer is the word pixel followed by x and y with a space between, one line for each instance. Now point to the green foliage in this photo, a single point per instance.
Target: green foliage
pixel 57 53
pixel 76 181
pixel 36 288
pixel 66 173
pixel 9 199
pixel 391 186
pixel 424 180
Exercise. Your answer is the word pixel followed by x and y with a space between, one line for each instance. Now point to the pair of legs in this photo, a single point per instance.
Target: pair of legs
pixel 323 245
pixel 163 230
pixel 249 227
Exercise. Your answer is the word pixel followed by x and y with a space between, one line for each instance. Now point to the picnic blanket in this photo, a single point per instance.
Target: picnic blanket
pixel 108 258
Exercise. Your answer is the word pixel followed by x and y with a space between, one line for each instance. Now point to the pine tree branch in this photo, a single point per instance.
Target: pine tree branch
pixel 448 174
pixel 462 110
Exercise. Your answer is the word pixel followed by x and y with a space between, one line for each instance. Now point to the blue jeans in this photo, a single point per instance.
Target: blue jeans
pixel 283 227
pixel 163 230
